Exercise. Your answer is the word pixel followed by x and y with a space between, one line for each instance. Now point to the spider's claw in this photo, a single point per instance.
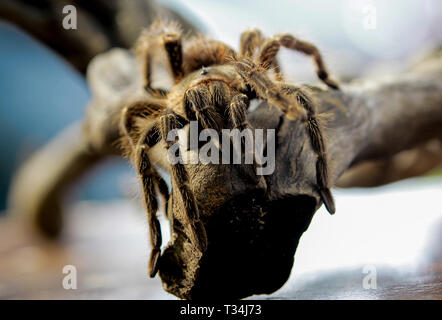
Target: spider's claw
pixel 323 75
pixel 328 200
pixel 333 85
pixel 154 262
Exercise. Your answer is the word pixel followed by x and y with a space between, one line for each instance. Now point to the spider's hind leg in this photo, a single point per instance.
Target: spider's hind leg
pixel 166 35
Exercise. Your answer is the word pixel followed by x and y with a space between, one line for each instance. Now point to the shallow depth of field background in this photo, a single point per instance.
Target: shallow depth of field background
pixel 390 226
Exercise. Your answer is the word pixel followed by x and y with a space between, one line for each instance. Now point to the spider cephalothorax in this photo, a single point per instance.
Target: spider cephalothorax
pixel 213 85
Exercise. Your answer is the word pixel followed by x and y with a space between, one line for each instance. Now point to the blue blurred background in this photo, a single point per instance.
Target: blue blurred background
pixel 40 94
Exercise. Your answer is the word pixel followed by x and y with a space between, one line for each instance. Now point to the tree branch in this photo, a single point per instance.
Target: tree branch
pixel 406 164
pixel 102 24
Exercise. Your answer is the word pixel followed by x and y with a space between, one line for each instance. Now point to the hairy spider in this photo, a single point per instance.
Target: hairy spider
pixel 211 81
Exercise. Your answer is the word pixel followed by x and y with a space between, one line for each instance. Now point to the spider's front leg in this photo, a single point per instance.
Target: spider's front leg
pixel 129 115
pixel 255 76
pixel 238 119
pixel 138 145
pixel 271 46
pixel 199 105
pixel 301 108
pixel 253 39
pixel 237 112
pixel 148 177
pixel 316 133
pixel 197 233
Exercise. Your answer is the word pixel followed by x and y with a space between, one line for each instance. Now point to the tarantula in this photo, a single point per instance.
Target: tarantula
pixel 212 81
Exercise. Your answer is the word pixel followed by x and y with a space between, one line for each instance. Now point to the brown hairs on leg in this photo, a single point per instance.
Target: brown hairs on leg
pixel 167 35
pixel 272 45
pixel 249 42
pixel 197 234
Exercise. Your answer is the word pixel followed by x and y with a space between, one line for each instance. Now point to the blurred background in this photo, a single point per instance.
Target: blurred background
pixel 41 93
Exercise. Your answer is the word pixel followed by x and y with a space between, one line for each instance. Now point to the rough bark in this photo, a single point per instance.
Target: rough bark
pixel 253 236
pixel 415 162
